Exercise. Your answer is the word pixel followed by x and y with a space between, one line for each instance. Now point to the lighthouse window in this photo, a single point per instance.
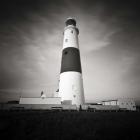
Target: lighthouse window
pixel 65 52
pixel 66 40
pixel 72 31
pixel 74 96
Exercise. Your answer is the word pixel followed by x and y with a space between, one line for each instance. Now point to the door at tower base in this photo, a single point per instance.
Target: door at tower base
pixel 71 87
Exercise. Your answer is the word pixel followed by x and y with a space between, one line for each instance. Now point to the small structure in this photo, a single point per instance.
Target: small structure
pixel 123 103
pixel 43 95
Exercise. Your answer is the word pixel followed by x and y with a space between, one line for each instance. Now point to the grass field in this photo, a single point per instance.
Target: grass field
pixel 55 125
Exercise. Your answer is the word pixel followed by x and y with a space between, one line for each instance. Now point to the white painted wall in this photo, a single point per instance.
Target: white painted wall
pixel 40 100
pixel 107 103
pixel 71 87
pixel 113 102
pixel 70 37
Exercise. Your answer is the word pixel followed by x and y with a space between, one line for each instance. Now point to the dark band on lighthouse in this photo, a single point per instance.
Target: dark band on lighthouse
pixel 71 60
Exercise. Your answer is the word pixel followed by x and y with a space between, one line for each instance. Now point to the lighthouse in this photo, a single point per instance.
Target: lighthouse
pixel 71 81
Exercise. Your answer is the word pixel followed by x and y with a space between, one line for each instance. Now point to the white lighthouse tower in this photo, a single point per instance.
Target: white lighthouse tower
pixel 71 82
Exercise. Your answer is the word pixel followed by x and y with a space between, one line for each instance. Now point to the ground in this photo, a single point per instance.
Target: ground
pixel 59 125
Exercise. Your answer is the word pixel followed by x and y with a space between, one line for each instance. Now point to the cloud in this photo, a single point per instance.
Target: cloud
pixel 31 37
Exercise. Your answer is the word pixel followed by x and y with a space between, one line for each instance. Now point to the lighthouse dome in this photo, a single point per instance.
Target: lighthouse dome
pixel 70 21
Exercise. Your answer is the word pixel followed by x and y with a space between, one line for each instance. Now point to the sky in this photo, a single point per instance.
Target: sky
pixel 31 37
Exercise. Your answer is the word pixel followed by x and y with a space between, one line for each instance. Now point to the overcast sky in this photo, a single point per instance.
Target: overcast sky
pixel 31 34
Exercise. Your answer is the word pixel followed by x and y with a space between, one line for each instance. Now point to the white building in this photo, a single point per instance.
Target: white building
pixel 43 99
pixel 40 100
pixel 123 103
